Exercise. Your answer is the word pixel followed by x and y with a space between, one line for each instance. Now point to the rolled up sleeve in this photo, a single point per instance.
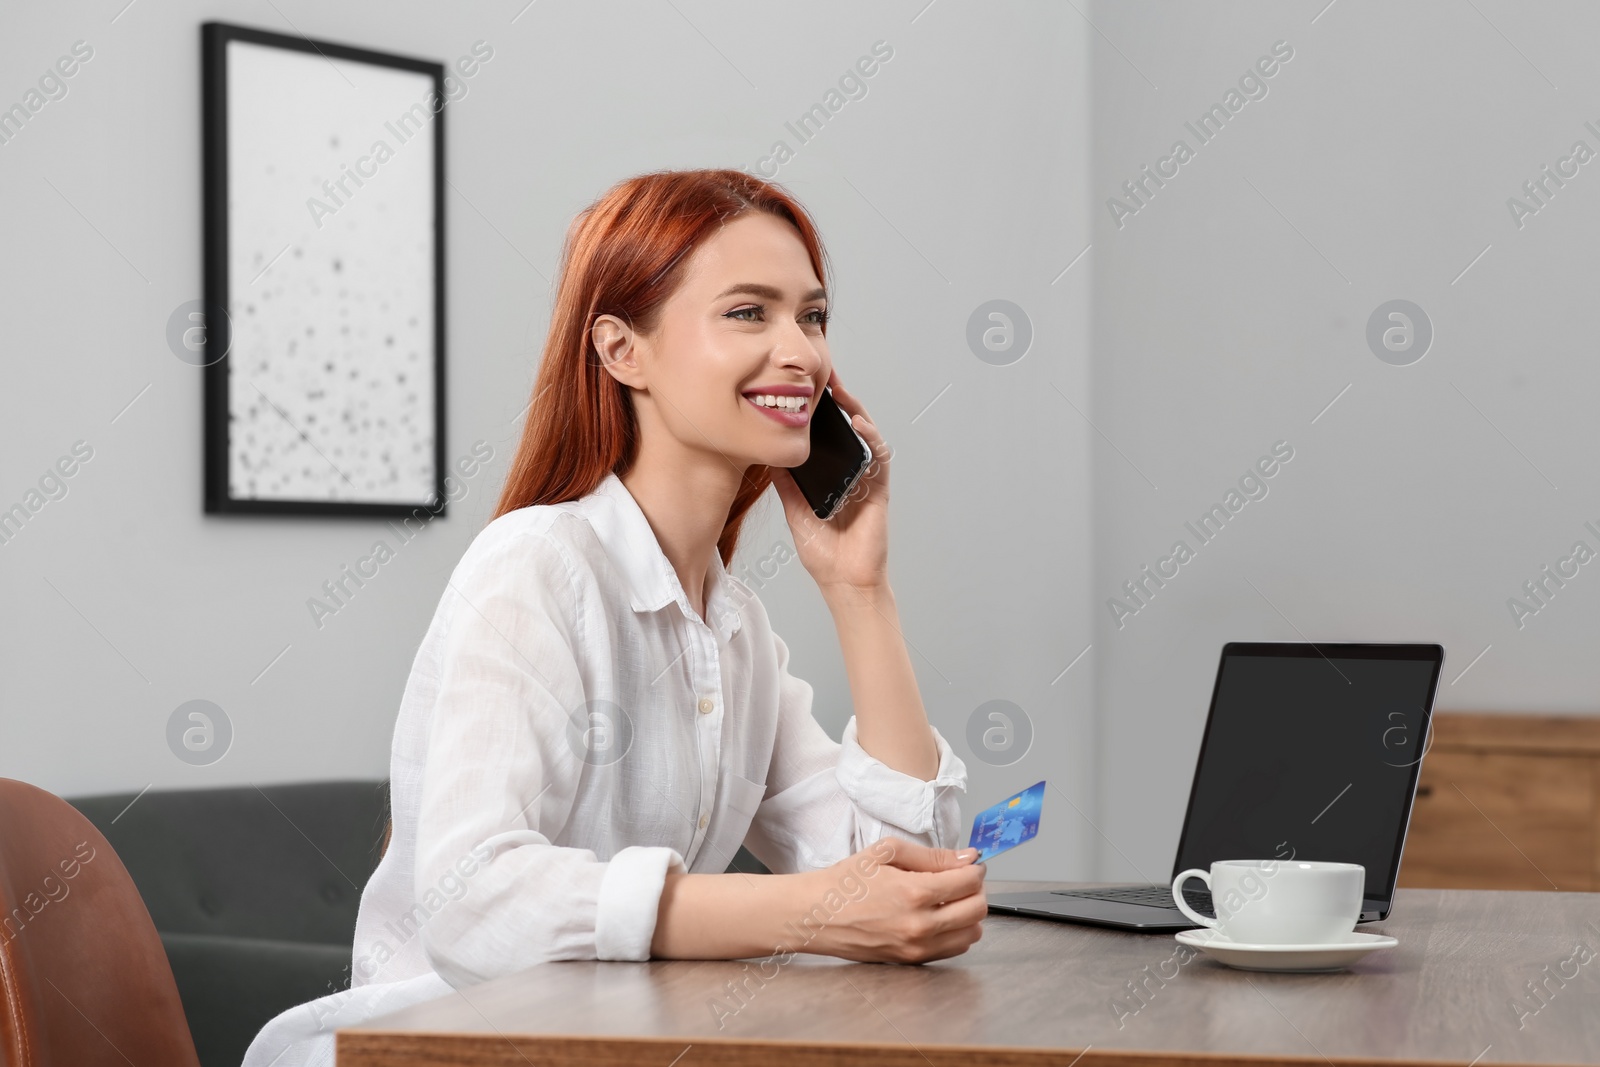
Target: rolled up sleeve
pixel 630 892
pixel 891 798
pixel 502 778
pixel 829 799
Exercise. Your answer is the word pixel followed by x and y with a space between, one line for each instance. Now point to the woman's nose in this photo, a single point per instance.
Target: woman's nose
pixel 798 351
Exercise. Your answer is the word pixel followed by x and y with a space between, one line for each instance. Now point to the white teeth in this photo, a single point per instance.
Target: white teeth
pixel 783 403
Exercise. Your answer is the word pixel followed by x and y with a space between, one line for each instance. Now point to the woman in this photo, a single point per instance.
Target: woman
pixel 599 714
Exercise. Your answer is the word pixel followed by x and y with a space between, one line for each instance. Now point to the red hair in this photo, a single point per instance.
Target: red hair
pixel 624 255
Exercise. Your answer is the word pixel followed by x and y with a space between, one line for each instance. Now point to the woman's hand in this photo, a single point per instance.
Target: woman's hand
pixel 904 903
pixel 850 550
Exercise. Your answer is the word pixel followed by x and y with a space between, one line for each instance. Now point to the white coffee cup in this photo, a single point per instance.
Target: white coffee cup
pixel 1279 902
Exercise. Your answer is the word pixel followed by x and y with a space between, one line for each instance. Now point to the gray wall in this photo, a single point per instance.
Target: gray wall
pixel 961 177
pixel 1232 308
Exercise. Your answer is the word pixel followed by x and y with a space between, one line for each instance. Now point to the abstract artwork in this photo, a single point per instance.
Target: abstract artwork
pixel 324 287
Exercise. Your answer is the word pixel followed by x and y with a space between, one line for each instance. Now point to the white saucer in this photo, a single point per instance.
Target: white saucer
pixel 1333 956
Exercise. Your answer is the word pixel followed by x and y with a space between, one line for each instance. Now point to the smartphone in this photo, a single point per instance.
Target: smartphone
pixel 839 457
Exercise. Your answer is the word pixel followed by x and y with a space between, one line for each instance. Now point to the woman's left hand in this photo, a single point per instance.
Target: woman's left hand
pixel 850 550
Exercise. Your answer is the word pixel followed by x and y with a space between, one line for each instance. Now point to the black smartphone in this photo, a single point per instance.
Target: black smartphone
pixel 839 457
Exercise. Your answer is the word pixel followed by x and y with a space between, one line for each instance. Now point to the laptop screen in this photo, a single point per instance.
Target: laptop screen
pixel 1312 753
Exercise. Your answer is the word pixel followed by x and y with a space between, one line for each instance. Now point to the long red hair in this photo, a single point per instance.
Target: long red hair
pixel 624 255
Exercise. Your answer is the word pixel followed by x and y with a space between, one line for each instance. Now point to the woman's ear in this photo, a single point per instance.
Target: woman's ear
pixel 616 344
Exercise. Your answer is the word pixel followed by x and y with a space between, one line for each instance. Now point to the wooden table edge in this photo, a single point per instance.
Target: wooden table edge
pixel 362 1047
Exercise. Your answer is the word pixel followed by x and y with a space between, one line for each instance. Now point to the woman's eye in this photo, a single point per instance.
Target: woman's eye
pixel 814 317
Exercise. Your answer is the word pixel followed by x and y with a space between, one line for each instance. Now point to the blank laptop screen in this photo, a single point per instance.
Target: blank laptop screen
pixel 1311 758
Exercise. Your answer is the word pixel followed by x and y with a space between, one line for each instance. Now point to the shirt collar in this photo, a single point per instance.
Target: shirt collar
pixel 631 543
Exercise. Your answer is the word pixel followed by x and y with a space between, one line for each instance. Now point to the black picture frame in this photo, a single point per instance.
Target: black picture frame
pixel 217 354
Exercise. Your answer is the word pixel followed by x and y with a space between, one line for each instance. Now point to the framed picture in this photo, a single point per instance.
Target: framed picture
pixel 323 316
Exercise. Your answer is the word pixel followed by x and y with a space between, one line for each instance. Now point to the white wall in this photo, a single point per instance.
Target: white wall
pixel 1231 310
pixel 961 177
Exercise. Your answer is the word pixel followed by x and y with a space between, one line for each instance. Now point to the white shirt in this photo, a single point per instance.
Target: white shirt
pixel 571 731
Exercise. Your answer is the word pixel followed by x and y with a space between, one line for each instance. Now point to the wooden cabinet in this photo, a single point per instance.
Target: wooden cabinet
pixel 1507 802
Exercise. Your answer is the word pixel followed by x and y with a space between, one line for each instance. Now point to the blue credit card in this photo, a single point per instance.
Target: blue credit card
pixel 1007 824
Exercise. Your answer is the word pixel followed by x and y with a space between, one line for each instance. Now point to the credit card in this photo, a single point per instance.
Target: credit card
pixel 1007 824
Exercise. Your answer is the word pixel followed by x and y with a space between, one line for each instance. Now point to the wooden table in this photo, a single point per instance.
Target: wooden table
pixel 1037 992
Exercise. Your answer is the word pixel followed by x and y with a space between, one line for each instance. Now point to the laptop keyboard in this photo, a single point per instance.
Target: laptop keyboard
pixel 1158 896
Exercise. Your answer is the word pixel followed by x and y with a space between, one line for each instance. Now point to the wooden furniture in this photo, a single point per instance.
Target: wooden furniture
pixel 1507 802
pixel 1034 992
pixel 83 978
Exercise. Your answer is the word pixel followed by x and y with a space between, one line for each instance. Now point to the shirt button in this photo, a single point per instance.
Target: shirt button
pixel 706 705
pixel 703 820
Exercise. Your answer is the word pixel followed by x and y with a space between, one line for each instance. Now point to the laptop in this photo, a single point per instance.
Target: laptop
pixel 1310 752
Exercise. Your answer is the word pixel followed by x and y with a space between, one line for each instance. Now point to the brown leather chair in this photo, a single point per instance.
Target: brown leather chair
pixel 84 981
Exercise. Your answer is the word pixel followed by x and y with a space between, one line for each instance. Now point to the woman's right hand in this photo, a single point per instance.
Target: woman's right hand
pixel 903 903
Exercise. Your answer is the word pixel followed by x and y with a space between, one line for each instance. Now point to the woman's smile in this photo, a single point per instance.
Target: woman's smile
pixel 789 405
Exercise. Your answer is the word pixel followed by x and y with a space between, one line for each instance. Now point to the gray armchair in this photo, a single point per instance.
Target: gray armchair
pixel 254 892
